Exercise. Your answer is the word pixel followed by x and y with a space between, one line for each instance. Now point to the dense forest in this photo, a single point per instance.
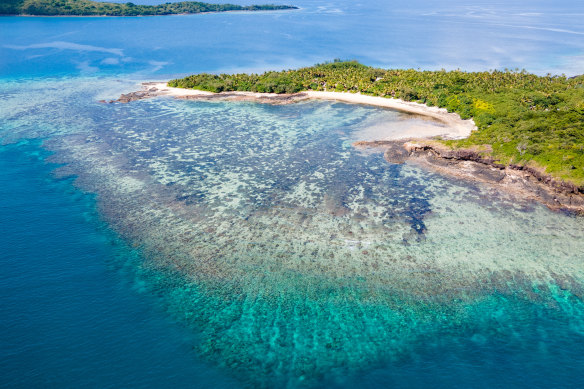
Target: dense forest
pixel 524 118
pixel 87 8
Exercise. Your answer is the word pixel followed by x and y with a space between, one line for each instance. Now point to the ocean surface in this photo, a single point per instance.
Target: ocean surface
pixel 168 243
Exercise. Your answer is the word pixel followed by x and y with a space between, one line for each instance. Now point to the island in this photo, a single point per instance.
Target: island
pixel 96 8
pixel 520 131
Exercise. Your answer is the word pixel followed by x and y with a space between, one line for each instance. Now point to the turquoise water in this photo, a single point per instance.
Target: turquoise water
pixel 177 243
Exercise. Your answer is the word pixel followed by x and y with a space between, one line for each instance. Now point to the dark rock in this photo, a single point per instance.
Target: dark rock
pixel 533 182
pixel 395 153
pixel 488 173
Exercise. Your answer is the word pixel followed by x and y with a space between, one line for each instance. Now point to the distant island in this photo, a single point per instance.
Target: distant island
pixel 95 8
pixel 524 121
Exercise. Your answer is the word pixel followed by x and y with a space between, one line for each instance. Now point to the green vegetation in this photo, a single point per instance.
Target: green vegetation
pixel 526 119
pixel 87 8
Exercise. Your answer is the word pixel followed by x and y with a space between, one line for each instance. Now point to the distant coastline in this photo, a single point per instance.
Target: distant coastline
pixel 80 8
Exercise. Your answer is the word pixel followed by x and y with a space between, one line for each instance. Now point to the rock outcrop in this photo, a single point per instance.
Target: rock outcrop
pixel 479 165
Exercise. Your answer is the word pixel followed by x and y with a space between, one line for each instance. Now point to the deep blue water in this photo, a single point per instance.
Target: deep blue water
pixel 79 308
pixel 71 315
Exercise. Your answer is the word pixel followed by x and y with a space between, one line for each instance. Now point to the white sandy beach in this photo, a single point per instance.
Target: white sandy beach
pixel 453 126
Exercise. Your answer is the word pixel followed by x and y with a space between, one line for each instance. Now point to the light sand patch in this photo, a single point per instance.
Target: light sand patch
pixel 457 128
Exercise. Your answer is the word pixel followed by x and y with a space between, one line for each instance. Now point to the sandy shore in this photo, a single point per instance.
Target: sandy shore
pixel 453 126
pixel 456 128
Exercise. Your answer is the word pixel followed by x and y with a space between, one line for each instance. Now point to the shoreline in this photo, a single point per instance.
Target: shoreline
pixel 466 164
pixel 454 126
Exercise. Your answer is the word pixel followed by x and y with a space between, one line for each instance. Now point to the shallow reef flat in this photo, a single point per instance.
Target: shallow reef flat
pixel 300 258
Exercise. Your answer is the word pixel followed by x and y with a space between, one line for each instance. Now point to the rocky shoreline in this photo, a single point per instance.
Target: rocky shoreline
pixel 476 165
